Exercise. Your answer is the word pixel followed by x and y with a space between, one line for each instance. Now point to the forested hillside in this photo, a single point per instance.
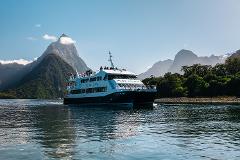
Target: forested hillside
pixel 47 80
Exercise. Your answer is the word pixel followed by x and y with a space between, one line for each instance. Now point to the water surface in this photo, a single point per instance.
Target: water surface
pixel 46 129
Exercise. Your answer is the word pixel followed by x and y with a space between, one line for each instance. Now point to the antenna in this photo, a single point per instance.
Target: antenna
pixel 110 59
pixel 77 75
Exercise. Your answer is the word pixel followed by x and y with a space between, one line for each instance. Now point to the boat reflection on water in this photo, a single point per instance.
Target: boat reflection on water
pixel 55 131
pixel 63 131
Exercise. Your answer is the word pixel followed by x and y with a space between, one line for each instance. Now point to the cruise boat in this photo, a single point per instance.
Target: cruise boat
pixel 110 85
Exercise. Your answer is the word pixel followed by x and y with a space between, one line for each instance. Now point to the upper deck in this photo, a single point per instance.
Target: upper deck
pixel 104 74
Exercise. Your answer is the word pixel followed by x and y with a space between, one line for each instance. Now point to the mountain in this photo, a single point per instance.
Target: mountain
pixel 182 58
pixel 235 54
pixel 158 69
pixel 9 72
pixel 65 48
pixel 46 80
pixel 12 73
pixel 188 58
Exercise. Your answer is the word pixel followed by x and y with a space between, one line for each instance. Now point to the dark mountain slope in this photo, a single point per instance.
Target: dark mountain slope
pixel 235 54
pixel 7 71
pixel 46 80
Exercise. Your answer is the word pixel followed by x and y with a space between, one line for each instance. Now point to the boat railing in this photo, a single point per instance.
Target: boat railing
pixel 145 88
pixel 72 79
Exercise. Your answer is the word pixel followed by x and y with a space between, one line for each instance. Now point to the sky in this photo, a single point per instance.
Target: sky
pixel 137 32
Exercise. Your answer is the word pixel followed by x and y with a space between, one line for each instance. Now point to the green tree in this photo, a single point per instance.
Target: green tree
pixel 196 85
pixel 220 70
pixel 233 85
pixel 151 80
pixel 171 86
pixel 233 65
pixel 197 69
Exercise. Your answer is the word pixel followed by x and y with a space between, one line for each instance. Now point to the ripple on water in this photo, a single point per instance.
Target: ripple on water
pixel 46 129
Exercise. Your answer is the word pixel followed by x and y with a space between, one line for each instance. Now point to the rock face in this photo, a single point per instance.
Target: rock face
pixel 65 48
pixel 182 58
pixel 158 69
pixel 235 54
pixel 188 58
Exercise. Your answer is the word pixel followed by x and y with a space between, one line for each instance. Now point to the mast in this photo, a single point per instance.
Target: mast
pixel 77 75
pixel 110 59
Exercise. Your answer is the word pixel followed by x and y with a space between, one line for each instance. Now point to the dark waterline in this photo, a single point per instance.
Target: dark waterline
pixel 41 129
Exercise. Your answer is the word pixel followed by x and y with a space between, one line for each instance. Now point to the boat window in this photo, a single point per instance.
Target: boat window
pixel 120 76
pixel 84 80
pixel 93 79
pixel 100 89
pixel 105 77
pixel 78 91
pixel 73 91
pixel 99 78
pixel 89 90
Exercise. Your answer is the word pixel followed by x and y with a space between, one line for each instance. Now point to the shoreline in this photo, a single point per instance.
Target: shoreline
pixel 198 100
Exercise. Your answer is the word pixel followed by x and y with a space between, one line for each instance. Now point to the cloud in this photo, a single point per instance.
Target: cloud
pixel 31 38
pixel 67 40
pixel 38 25
pixel 49 37
pixel 19 61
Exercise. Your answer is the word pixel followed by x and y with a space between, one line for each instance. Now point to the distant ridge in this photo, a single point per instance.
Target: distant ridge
pixel 188 58
pixel 8 71
pixel 183 58
pixel 157 69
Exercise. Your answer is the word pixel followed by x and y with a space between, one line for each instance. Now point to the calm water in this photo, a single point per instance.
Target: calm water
pixel 35 129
